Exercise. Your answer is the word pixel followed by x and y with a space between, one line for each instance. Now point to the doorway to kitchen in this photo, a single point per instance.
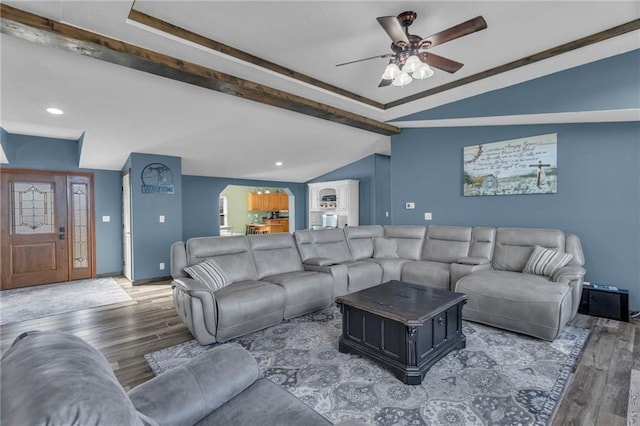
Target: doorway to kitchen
pixel 250 209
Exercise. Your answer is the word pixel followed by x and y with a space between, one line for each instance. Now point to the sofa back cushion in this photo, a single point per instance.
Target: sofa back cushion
pixel 515 245
pixel 483 240
pixel 446 243
pixel 329 243
pixel 360 240
pixel 232 255
pixel 410 239
pixel 178 259
pixel 275 254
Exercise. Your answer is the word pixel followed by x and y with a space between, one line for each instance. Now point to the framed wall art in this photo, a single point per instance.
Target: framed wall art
pixel 518 166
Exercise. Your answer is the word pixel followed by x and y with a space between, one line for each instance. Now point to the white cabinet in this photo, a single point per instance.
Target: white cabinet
pixel 337 197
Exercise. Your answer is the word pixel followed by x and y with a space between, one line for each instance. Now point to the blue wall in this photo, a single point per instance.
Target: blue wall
pixel 200 197
pixel 33 152
pixel 151 239
pixel 610 83
pixel 598 190
pixel 373 174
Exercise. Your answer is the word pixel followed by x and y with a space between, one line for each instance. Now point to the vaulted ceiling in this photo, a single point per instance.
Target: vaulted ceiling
pixel 261 81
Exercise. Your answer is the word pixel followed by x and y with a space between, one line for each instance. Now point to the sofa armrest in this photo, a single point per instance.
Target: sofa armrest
pixel 459 270
pixel 568 273
pixel 319 261
pixel 338 273
pixel 195 303
pixel 471 260
pixel 189 392
pixel 574 277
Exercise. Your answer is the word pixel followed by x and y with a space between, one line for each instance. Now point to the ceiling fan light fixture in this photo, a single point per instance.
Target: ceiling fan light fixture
pixel 413 64
pixel 402 80
pixel 391 72
pixel 423 72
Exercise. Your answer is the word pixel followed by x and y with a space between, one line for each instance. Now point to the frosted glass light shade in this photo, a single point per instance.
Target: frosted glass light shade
pixel 402 80
pixel 423 72
pixel 391 72
pixel 413 64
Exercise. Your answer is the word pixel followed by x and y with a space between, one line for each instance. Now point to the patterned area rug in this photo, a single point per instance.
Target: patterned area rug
pixel 500 378
pixel 27 303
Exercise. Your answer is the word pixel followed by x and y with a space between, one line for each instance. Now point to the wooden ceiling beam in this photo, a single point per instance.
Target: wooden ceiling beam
pixel 38 29
pixel 184 34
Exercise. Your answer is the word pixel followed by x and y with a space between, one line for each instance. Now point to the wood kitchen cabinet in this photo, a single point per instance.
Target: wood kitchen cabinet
pixel 274 201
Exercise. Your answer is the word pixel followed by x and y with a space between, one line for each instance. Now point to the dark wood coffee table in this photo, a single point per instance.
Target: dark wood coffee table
pixel 405 327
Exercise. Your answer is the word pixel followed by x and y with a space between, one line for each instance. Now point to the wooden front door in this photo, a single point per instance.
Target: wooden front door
pixel 47 227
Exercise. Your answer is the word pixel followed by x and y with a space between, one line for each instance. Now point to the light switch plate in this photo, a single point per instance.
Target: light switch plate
pixel 161 218
pixel 428 216
pixel 106 218
pixel 162 266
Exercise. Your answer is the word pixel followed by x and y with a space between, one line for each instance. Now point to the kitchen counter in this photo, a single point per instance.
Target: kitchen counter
pixel 271 226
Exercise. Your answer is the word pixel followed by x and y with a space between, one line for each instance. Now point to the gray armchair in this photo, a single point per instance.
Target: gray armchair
pixel 57 378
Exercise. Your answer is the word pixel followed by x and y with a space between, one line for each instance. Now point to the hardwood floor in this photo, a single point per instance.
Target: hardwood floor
pixel 604 388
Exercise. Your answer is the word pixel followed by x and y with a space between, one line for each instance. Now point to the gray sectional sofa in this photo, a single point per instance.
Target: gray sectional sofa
pixel 277 276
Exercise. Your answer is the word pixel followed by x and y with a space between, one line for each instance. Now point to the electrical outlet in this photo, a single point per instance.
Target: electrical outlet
pixel 410 205
pixel 162 266
pixel 428 216
pixel 386 214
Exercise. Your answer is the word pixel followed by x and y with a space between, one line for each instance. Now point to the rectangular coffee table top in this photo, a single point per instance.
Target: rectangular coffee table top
pixel 410 304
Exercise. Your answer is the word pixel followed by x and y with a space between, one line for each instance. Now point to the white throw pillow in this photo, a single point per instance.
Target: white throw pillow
pixel 209 273
pixel 385 248
pixel 544 261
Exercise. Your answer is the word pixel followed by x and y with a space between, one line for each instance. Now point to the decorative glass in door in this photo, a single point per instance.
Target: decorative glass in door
pixel 33 209
pixel 80 224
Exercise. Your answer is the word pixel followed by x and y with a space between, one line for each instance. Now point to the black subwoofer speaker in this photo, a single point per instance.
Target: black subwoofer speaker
pixel 613 304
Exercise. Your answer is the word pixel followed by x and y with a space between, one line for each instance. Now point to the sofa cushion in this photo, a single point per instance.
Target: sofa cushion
pixel 446 243
pixel 524 303
pixel 275 254
pixel 546 262
pixel 514 246
pixel 410 239
pixel 232 254
pixel 385 248
pixel 360 240
pixel 209 273
pixel 482 242
pixel 426 272
pixel 362 274
pixel 247 306
pixel 327 243
pixel 304 291
pixel 57 378
pixel 264 403
pixel 391 267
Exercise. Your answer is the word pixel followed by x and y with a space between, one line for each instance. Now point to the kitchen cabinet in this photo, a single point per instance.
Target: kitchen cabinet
pixel 274 201
pixel 336 197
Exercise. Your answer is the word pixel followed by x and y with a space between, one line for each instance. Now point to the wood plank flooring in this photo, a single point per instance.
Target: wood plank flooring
pixel 604 388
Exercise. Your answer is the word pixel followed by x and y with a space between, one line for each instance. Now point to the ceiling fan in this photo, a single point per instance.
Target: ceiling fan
pixel 409 51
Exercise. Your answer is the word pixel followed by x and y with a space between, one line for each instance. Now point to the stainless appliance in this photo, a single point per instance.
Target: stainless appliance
pixel 329 220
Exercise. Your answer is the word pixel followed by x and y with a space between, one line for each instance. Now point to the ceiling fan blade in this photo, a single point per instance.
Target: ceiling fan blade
pixel 440 62
pixel 384 83
pixel 471 26
pixel 386 55
pixel 394 29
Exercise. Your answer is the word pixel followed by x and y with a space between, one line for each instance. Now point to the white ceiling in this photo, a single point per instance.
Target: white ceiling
pixel 120 110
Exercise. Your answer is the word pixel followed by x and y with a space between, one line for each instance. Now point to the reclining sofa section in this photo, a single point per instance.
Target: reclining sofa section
pixel 277 276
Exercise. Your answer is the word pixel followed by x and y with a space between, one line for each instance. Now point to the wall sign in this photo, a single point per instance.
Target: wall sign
pixel 157 179
pixel 517 166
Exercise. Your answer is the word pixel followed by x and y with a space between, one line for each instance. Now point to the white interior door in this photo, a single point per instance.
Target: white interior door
pixel 127 252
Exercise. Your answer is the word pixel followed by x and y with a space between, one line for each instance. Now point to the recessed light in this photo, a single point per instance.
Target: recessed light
pixel 55 111
pixel 279 163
